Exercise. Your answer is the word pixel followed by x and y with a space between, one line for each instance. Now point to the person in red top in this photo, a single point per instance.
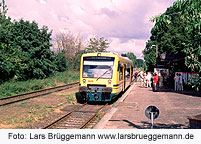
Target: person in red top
pixel 155 80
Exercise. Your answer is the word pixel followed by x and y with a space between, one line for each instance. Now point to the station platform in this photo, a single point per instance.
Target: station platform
pixel 129 112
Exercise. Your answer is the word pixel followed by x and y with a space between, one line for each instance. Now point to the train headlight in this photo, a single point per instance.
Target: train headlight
pixel 84 81
pixel 109 82
pixel 96 96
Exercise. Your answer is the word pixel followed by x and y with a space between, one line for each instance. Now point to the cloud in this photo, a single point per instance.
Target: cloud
pixel 109 13
pixel 132 45
pixel 43 1
pixel 124 22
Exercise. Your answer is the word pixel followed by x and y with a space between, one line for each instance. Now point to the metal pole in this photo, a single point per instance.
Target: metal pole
pixel 156 51
pixel 152 120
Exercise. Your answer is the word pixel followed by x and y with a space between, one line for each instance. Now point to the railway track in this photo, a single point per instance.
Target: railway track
pixel 13 99
pixel 78 118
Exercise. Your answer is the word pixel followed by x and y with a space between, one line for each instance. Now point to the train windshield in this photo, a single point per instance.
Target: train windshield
pixel 98 67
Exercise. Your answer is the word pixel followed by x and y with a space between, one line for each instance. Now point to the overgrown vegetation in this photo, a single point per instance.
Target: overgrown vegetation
pixel 97 45
pixel 14 87
pixel 25 50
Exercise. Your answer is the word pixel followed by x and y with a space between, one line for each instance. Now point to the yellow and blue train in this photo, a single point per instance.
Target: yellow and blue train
pixel 103 76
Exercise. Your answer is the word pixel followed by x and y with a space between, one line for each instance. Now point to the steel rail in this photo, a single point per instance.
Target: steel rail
pixel 69 120
pixel 62 117
pixel 92 117
pixel 20 97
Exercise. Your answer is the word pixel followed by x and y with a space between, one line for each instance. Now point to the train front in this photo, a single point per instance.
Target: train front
pixel 97 76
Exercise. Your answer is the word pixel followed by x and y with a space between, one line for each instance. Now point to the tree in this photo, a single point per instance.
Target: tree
pixel 97 45
pixel 68 43
pixel 77 58
pixel 61 61
pixel 25 50
pixel 3 8
pixel 177 31
pixel 36 60
pixel 140 63
pixel 150 56
pixel 191 15
pixel 7 56
pixel 71 46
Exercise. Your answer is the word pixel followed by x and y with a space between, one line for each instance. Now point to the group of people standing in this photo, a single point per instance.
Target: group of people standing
pixel 178 82
pixel 159 80
pixel 145 78
pixel 154 80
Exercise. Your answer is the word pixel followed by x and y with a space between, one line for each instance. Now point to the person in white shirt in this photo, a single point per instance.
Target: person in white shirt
pixel 176 82
pixel 145 79
pixel 141 78
pixel 148 77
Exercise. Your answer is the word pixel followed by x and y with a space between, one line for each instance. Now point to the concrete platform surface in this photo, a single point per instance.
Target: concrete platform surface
pixel 129 111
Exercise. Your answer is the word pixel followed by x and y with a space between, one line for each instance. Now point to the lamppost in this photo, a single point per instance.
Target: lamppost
pixel 156 52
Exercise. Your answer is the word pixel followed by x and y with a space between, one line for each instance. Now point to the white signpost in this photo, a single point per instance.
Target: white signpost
pixel 152 113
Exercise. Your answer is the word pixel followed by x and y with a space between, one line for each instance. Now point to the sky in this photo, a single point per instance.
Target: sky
pixel 124 23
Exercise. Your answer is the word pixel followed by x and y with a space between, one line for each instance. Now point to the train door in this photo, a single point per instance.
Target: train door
pixel 131 73
pixel 121 75
pixel 128 74
pixel 124 77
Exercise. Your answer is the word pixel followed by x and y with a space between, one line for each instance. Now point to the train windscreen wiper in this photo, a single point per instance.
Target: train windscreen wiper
pixel 104 73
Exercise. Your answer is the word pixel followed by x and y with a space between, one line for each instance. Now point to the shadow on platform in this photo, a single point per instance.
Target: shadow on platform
pixel 190 93
pixel 147 125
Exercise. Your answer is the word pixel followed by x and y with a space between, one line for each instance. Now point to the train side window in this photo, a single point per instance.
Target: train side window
pixel 119 66
pixel 120 72
pixel 128 72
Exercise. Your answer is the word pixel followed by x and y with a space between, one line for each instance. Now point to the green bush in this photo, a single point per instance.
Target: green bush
pixel 24 50
pixel 61 62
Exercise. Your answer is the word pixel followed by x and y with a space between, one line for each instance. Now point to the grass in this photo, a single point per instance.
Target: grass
pixel 47 107
pixel 71 98
pixel 99 116
pixel 30 119
pixel 14 120
pixel 13 87
pixel 19 127
pixel 35 112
